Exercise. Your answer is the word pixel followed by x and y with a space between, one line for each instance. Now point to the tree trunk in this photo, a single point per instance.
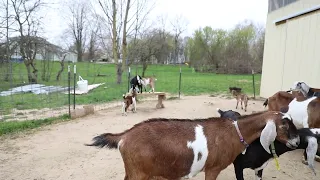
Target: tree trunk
pixel 124 39
pixel 7 73
pixel 144 68
pixel 32 76
pixel 62 68
pixel 119 73
pixel 60 71
pixel 114 41
pixel 79 56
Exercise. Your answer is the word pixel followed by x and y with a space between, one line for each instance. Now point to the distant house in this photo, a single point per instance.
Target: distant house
pixel 45 50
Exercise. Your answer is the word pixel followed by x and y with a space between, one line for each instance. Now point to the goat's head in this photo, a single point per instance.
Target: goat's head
pixel 229 114
pixel 281 129
pixel 139 79
pixel 237 89
pixel 300 86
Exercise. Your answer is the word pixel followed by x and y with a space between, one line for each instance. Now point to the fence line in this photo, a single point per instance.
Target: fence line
pixel 51 98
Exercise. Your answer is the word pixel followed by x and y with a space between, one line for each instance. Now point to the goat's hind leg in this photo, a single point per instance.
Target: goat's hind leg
pixel 258 174
pixel 237 104
pixel 304 157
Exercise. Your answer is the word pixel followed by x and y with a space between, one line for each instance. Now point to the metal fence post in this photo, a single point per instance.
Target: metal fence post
pixel 69 84
pixel 253 85
pixel 180 82
pixel 129 78
pixel 74 85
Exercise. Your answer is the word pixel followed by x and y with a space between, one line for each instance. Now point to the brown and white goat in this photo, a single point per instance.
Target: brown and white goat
pixel 242 98
pixel 176 148
pixel 303 105
pixel 129 99
pixel 148 81
pixel 281 99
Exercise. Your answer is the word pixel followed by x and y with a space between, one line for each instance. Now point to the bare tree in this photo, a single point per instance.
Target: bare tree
pixel 77 23
pixel 122 16
pixel 62 57
pixel 27 24
pixel 179 25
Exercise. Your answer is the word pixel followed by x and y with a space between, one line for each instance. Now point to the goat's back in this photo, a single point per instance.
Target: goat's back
pixel 158 142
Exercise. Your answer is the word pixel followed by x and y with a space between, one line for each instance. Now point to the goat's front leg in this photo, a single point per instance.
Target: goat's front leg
pixel 134 104
pixel 241 104
pixel 245 106
pixel 238 169
pixel 237 104
pixel 258 174
pixel 124 109
pixel 212 174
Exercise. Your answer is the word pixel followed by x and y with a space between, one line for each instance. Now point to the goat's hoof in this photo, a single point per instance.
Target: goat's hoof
pixel 304 161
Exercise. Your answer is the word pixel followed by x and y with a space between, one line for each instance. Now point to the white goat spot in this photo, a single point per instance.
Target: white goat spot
pixel 315 130
pixel 199 146
pixel 286 115
pixel 299 113
pixel 120 144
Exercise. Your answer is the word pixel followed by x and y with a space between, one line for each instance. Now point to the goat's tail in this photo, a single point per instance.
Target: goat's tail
pixel 266 103
pixel 109 140
pixel 220 111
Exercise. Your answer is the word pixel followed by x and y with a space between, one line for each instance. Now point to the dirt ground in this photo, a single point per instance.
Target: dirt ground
pixel 57 152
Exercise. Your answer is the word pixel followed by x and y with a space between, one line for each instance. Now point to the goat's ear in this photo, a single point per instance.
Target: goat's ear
pixel 311 152
pixel 268 135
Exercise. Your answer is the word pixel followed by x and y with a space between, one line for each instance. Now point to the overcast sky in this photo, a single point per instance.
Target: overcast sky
pixel 197 13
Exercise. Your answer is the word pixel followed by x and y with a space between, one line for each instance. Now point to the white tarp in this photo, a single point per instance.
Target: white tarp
pixel 35 89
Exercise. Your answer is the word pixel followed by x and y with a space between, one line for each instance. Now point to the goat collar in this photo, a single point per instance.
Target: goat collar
pixel 275 156
pixel 235 123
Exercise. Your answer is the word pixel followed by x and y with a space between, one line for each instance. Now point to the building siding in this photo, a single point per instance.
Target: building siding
pixel 292 49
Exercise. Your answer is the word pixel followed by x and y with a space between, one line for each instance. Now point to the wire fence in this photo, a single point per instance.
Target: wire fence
pixel 50 97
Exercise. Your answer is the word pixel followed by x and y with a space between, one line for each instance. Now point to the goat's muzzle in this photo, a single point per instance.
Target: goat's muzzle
pixel 293 143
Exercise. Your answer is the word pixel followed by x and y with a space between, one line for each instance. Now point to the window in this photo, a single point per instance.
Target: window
pixel 276 4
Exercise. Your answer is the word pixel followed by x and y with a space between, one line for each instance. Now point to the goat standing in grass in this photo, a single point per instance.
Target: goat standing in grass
pixel 240 97
pixel 176 148
pixel 129 99
pixel 257 158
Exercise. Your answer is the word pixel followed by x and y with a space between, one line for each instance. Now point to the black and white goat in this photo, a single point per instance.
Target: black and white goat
pixel 135 82
pixel 257 158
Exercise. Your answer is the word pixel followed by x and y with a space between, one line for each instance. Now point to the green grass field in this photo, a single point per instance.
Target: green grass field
pixel 192 83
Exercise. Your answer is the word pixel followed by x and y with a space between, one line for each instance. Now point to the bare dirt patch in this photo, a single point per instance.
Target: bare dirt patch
pixel 57 151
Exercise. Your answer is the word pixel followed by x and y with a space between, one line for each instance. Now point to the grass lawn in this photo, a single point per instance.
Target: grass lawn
pixel 192 83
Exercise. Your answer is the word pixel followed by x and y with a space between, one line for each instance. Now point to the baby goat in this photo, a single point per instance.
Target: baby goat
pixel 240 97
pixel 145 81
pixel 257 158
pixel 128 99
